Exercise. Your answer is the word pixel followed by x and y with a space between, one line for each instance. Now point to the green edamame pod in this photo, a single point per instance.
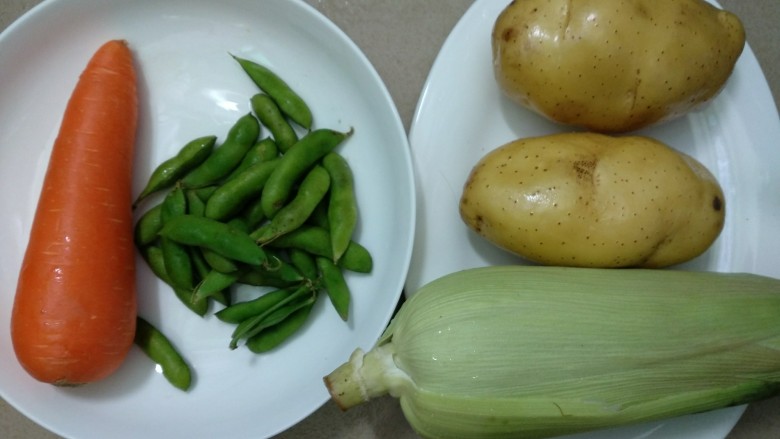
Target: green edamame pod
pixel 282 269
pixel 312 239
pixel 263 151
pixel 289 102
pixel 195 204
pixel 215 282
pixel 273 315
pixel 272 319
pixel 229 198
pixel 202 269
pixel 154 259
pixel 316 240
pixel 238 312
pixel 205 192
pixel 160 349
pixel 147 227
pixel 168 172
pixel 272 118
pixel 218 262
pixel 274 336
pixel 214 235
pixel 221 162
pixel 295 163
pixel 239 224
pixel 319 217
pixel 304 262
pixel 311 191
pixel 342 205
pixel 336 286
pixel 356 258
pixel 174 205
pixel 222 297
pixel 178 264
pixel 253 213
pixel 262 277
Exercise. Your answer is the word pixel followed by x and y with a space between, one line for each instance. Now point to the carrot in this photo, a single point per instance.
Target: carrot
pixel 74 313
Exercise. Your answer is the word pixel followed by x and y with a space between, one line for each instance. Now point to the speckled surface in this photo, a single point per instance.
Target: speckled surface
pixel 402 38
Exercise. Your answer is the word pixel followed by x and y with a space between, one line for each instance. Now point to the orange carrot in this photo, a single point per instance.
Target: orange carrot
pixel 73 319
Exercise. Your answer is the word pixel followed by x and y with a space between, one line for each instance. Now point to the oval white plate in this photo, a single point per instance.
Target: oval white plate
pixel 190 87
pixel 462 115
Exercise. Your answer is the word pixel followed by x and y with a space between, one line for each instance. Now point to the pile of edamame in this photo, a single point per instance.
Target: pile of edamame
pixel 276 211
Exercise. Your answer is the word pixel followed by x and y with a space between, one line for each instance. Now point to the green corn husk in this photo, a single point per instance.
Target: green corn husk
pixel 535 352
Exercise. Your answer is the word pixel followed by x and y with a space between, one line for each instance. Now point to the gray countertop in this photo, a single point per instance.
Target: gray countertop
pixel 402 38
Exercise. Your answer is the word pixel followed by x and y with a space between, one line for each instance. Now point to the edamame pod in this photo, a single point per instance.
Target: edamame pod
pixel 168 172
pixel 241 311
pixel 295 163
pixel 272 118
pixel 275 314
pixel 160 349
pixel 319 217
pixel 154 259
pixel 274 336
pixel 205 192
pixel 147 227
pixel 214 235
pixel 215 282
pixel 281 268
pixel 289 102
pixel 304 262
pixel 316 240
pixel 356 258
pixel 218 262
pixel 202 269
pixel 230 197
pixel 195 204
pixel 241 137
pixel 263 151
pixel 253 213
pixel 311 191
pixel 239 223
pixel 342 204
pixel 335 285
pixel 262 277
pixel 178 264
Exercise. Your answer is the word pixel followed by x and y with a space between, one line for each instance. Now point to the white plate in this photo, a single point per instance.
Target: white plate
pixel 190 87
pixel 462 115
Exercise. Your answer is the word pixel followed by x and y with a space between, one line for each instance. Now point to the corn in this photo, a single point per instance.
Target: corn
pixel 535 352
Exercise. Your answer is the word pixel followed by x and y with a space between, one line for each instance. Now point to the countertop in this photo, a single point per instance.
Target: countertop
pixel 402 38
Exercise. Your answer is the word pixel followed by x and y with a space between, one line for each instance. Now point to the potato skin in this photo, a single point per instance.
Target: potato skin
pixel 614 65
pixel 594 200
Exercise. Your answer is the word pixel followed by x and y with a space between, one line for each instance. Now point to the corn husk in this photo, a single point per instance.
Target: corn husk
pixel 535 352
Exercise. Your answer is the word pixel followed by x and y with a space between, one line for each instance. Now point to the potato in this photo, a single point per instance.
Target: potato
pixel 614 65
pixel 594 200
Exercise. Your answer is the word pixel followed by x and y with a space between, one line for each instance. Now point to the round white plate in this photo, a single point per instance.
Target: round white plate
pixel 190 87
pixel 462 115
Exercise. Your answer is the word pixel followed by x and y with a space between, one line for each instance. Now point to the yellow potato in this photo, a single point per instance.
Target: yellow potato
pixel 614 65
pixel 594 200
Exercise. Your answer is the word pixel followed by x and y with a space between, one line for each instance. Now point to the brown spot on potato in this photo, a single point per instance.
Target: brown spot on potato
pixel 478 222
pixel 509 34
pixel 584 168
pixel 717 203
